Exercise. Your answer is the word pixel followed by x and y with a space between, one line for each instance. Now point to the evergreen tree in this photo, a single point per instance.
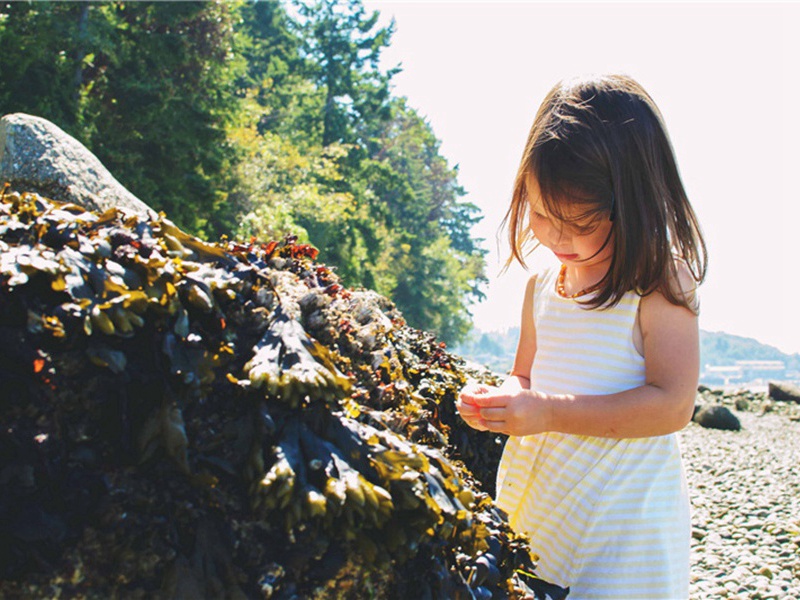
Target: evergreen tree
pixel 284 177
pixel 345 44
pixel 278 78
pixel 236 117
pixel 408 235
pixel 443 265
pixel 146 86
pixel 44 51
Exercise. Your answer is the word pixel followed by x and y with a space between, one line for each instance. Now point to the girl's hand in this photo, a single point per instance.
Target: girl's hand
pixel 468 410
pixel 522 412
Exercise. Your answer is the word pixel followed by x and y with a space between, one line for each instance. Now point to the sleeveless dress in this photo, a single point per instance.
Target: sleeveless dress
pixel 608 517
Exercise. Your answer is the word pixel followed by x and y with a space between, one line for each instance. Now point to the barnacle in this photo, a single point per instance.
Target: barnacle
pixel 191 419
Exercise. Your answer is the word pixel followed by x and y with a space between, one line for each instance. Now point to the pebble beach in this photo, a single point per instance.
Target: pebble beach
pixel 745 493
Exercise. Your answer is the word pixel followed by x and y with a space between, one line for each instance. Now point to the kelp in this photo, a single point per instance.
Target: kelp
pixel 186 419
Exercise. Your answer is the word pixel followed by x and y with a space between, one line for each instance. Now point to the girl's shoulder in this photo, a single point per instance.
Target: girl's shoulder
pixel 542 278
pixel 531 287
pixel 678 293
pixel 683 285
pixel 537 284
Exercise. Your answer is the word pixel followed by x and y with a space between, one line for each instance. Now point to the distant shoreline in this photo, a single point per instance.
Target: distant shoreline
pixel 755 387
pixel 745 363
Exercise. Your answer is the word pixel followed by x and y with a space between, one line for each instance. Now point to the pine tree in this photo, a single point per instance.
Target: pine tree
pixel 146 86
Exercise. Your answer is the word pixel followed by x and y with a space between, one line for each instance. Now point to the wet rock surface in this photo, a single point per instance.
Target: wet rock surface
pixel 745 493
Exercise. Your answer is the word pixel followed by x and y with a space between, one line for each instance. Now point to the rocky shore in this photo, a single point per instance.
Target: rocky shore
pixel 169 428
pixel 745 492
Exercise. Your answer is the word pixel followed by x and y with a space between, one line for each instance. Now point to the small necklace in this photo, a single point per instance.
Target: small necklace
pixel 560 286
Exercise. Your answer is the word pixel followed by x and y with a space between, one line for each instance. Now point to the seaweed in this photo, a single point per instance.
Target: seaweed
pixel 188 419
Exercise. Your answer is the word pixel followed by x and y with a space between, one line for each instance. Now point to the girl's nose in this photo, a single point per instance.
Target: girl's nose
pixel 559 234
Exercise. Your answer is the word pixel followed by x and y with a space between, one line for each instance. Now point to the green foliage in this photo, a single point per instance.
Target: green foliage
pixel 282 186
pixel 344 44
pixel 166 93
pixel 146 86
pixel 42 59
pixel 277 78
pixel 241 118
pixel 416 188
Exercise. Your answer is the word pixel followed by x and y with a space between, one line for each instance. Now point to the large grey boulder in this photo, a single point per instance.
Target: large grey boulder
pixel 38 156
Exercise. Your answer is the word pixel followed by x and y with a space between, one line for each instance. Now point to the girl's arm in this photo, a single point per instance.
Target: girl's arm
pixel 519 377
pixel 662 405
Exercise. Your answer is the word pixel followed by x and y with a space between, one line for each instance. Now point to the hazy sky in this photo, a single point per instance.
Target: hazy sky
pixel 726 78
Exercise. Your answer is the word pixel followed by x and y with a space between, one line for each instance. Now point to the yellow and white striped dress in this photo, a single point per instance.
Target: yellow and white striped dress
pixel 607 517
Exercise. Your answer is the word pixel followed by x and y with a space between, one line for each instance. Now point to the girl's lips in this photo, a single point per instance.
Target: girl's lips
pixel 566 256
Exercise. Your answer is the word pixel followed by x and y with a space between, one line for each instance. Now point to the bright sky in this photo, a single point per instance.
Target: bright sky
pixel 726 77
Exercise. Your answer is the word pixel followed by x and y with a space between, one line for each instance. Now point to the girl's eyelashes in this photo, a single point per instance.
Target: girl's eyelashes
pixel 581 227
pixel 584 228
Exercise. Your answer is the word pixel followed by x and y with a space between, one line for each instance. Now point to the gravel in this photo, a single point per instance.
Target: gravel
pixel 745 493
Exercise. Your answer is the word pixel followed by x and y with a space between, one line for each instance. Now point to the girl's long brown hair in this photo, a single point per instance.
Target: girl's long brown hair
pixel 599 145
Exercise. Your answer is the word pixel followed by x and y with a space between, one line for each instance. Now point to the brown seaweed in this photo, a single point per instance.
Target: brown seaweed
pixel 185 419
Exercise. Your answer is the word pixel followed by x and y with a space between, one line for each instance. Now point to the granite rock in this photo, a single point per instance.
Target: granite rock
pixel 38 156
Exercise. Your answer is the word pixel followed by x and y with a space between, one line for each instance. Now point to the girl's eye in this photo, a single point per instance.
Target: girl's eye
pixel 584 228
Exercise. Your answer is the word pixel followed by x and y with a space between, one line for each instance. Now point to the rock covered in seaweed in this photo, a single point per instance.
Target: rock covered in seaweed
pixel 185 419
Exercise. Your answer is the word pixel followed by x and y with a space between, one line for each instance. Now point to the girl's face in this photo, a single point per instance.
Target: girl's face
pixel 578 244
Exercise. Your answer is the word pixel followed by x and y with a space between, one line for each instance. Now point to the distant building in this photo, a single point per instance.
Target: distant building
pixel 762 369
pixel 743 372
pixel 713 375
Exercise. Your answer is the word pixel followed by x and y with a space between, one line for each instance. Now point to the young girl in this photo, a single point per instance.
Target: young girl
pixel 608 360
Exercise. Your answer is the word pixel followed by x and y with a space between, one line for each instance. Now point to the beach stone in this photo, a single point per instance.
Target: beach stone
pixel 718 591
pixel 717 417
pixel 38 156
pixel 783 390
pixel 732 586
pixel 745 494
